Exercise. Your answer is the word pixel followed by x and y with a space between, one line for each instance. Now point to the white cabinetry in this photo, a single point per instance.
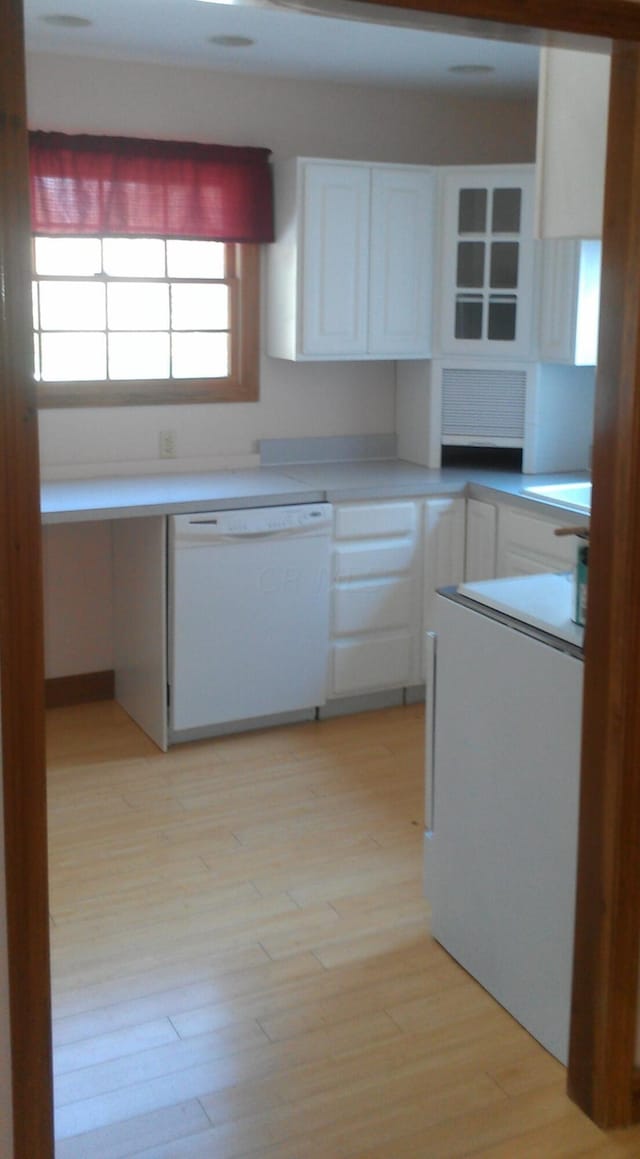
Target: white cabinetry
pixel 480 544
pixel 444 534
pixel 350 272
pixel 388 559
pixel 376 598
pixel 573 102
pixel 486 261
pixel 569 301
pixel 527 544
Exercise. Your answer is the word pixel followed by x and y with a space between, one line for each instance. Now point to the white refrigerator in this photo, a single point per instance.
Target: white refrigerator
pixel 504 710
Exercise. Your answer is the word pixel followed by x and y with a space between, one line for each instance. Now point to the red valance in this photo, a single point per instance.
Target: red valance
pixel 117 186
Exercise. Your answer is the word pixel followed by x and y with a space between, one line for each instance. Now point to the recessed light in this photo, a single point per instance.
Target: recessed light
pixel 471 69
pixel 65 20
pixel 232 41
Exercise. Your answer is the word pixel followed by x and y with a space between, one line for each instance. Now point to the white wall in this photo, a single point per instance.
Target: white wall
pixel 291 118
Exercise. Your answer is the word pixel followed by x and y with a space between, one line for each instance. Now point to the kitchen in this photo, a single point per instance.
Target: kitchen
pixel 58 417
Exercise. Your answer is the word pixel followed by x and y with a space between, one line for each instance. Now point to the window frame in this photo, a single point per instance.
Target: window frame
pixel 241 385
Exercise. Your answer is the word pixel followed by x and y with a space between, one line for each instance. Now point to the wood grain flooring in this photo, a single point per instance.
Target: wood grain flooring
pixel 242 965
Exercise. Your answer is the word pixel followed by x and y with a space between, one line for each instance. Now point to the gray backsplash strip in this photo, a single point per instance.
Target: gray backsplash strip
pixel 327 449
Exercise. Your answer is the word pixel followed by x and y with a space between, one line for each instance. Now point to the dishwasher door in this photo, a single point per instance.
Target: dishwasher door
pixel 248 614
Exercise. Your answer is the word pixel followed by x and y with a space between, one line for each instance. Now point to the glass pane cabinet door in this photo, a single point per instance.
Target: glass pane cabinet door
pixel 472 210
pixel 506 211
pixel 488 248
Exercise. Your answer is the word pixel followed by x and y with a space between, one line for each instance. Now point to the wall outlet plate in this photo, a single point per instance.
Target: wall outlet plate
pixel 167 444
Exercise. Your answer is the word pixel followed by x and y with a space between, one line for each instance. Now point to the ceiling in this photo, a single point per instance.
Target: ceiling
pixel 286 43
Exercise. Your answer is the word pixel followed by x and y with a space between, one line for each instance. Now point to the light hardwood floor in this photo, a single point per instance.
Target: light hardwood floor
pixel 242 965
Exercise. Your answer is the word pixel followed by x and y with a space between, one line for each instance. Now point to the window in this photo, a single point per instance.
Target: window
pixel 144 320
pixel 146 269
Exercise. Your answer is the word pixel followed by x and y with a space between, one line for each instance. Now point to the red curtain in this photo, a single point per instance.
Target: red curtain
pixel 116 186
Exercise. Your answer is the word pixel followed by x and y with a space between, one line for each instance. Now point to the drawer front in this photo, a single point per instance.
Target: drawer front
pixel 527 545
pixel 355 561
pixel 365 607
pixel 367 520
pixel 368 664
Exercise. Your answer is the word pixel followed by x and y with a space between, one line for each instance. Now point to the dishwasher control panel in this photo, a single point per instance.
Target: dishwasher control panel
pixel 300 518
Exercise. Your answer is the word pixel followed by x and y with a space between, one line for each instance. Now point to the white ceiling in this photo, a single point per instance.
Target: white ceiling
pixel 287 43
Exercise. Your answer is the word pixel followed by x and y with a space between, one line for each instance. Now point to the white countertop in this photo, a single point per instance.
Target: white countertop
pixel 542 601
pixel 126 496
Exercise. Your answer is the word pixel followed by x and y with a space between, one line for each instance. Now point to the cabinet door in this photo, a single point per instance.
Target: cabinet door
pixel 571 142
pixel 569 301
pixel 335 273
pixel 444 534
pixel 527 545
pixel 480 547
pixel 401 262
pixel 487 262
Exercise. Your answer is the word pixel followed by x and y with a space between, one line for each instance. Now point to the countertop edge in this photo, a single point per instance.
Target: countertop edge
pixel 90 500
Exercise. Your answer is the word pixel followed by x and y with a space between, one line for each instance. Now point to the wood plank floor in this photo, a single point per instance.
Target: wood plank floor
pixel 242 965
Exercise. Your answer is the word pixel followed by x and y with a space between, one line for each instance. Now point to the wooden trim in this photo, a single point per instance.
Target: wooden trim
pixel 21 630
pixel 85 688
pixel 605 979
pixel 606 942
pixel 242 385
pixel 572 25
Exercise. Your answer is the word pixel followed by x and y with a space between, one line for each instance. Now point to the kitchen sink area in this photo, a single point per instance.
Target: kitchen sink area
pixel 576 495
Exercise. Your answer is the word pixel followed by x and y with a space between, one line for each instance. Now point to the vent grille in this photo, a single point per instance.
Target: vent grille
pixel 483 403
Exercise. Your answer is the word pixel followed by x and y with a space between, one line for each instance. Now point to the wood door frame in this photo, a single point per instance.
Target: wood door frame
pixel 601 1074
pixel 21 630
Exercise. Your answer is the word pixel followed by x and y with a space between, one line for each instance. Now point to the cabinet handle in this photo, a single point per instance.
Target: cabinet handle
pixel 431 658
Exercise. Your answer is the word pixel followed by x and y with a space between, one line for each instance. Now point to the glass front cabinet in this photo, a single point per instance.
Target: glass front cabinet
pixel 486 261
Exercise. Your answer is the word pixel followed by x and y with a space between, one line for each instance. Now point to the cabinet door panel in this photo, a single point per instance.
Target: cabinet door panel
pixel 527 545
pixel 401 262
pixel 480 550
pixel 353 561
pixel 569 301
pixel 382 661
pixel 365 520
pixel 365 606
pixel 444 532
pixel 487 262
pixel 335 265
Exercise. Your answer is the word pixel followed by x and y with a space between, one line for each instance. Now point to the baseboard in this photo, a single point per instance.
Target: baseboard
pixel 363 702
pixel 62 691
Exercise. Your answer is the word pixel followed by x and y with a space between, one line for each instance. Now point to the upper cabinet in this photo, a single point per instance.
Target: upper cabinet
pixel 573 102
pixel 350 273
pixel 486 261
pixel 569 301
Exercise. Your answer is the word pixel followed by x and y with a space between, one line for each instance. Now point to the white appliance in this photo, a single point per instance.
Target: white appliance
pixel 504 712
pixel 248 615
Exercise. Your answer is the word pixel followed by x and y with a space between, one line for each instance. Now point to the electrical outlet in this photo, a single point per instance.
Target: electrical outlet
pixel 167 444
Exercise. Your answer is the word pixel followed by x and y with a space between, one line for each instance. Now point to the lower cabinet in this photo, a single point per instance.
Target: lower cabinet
pixel 526 544
pixel 480 541
pixel 444 535
pixel 375 609
pixel 388 560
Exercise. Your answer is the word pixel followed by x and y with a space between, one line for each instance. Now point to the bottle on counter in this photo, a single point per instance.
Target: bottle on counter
pixel 580 572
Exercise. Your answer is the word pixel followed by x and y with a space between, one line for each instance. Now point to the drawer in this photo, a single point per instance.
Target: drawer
pixel 527 544
pixel 369 606
pixel 362 665
pixel 352 561
pixel 368 520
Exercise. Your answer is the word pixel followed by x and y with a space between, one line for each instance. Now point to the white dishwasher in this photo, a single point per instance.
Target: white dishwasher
pixel 248 615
